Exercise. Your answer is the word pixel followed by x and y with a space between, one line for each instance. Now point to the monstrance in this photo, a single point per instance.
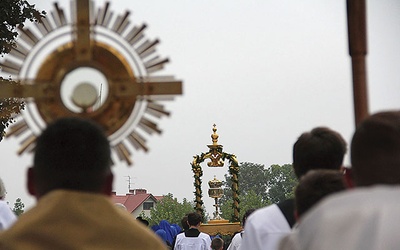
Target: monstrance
pixel 94 64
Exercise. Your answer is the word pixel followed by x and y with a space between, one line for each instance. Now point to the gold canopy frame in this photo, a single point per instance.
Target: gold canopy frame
pixel 217 157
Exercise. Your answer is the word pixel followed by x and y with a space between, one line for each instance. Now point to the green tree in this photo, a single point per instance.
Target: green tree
pixel 18 207
pixel 250 200
pixel 251 177
pixel 258 187
pixel 281 181
pixel 13 14
pixel 168 208
pixel 252 189
pixel 9 108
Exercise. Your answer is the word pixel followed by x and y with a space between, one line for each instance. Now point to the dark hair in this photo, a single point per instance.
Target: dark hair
pixel 143 221
pixel 184 223
pixel 71 153
pixel 375 150
pixel 246 215
pixel 315 185
pixel 194 219
pixel 321 148
pixel 217 243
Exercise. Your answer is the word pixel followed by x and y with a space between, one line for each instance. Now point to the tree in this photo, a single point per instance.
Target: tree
pixel 18 207
pixel 13 14
pixel 250 200
pixel 252 189
pixel 9 108
pixel 259 186
pixel 281 181
pixel 168 208
pixel 251 177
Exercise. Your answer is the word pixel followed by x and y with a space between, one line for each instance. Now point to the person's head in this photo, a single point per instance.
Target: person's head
pixel 315 185
pixel 375 150
pixel 217 244
pixel 184 223
pixel 2 190
pixel 73 154
pixel 246 215
pixel 321 148
pixel 194 219
pixel 143 221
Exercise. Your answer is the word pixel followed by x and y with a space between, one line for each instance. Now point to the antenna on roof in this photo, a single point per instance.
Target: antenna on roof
pixel 129 182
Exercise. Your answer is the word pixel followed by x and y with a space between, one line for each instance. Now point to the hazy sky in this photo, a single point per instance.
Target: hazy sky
pixel 263 71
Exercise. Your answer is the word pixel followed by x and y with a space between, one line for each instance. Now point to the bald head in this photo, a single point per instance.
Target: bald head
pixel 375 150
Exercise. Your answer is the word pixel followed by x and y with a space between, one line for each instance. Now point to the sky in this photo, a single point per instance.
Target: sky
pixel 263 71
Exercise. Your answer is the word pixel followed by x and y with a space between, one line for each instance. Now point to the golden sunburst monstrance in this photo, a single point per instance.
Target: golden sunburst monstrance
pixel 94 64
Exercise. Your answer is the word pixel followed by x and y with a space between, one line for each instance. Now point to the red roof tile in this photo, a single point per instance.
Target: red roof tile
pixel 132 201
pixel 158 197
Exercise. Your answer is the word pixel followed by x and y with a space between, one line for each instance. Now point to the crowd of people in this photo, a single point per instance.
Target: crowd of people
pixel 167 232
pixel 333 208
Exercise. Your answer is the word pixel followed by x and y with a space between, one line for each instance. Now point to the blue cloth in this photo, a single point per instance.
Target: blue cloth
pixel 162 234
pixel 173 230
pixel 167 227
pixel 177 228
pixel 155 228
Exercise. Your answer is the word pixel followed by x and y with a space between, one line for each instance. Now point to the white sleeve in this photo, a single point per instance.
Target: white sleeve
pixel 7 217
pixel 249 236
pixel 264 229
pixel 208 242
pixel 235 243
pixel 177 241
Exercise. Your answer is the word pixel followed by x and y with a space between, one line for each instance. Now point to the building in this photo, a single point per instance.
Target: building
pixel 137 201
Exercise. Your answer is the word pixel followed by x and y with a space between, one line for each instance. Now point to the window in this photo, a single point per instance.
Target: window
pixel 148 205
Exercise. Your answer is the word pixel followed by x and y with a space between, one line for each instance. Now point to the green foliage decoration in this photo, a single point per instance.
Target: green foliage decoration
pixel 18 207
pixel 197 174
pixel 234 173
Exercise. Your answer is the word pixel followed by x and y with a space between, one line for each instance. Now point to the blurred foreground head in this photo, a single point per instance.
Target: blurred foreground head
pixel 316 185
pixel 321 148
pixel 73 154
pixel 375 150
